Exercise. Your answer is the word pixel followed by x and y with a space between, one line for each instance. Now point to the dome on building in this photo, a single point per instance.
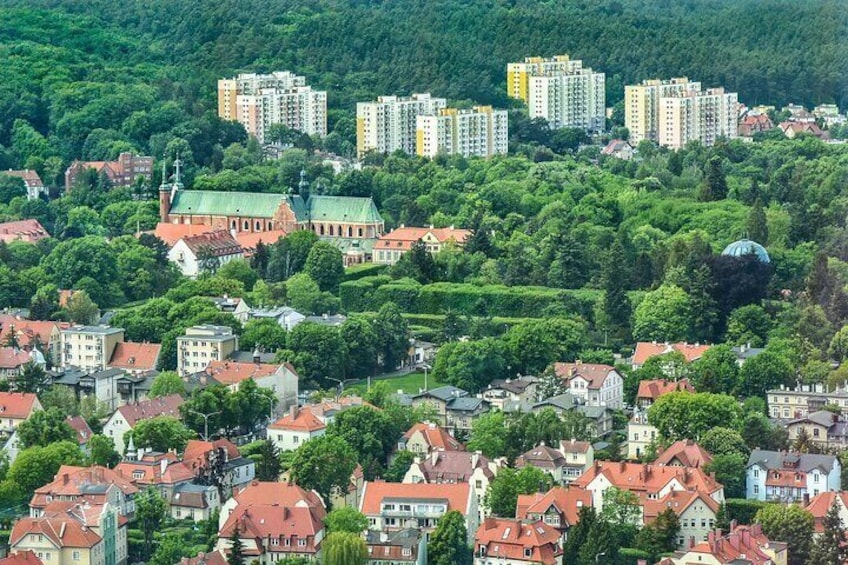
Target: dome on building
pixel 747 247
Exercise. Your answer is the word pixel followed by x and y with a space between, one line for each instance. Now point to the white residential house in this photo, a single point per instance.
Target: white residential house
pixel 126 417
pixel 287 317
pixel 89 347
pixel 203 344
pixel 295 429
pixel 597 385
pixel 194 254
pixel 791 477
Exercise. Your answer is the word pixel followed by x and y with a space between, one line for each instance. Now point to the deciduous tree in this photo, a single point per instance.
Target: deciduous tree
pixel 790 524
pixel 324 464
pixel 449 542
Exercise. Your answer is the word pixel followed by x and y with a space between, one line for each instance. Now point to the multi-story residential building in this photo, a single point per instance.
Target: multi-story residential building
pixel 221 460
pixel 389 124
pixel 126 417
pixel 454 467
pixel 438 399
pixel 122 172
pixel 24 557
pixel 600 416
pixel 12 361
pixel 513 542
pixel 579 456
pixel 650 391
pixel 742 545
pixel 203 344
pixel 390 247
pixel 74 533
pixel 698 116
pixel 274 521
pixel 545 458
pixel 396 506
pixel 93 485
pixel 651 482
pixel 403 547
pixel 135 358
pixel 695 510
pixel 825 429
pixel 474 132
pixel 34 334
pixel 559 507
pixel 259 101
pixel 642 105
pixel 802 401
pixel 675 112
pixel 790 477
pixel 427 437
pixel 461 412
pixel 501 391
pixel 597 385
pixel 684 453
pixel 560 90
pixel 296 428
pixel 34 186
pixel 89 347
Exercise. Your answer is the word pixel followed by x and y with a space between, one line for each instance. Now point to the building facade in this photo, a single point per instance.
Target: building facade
pixel 475 132
pixel 260 101
pixel 560 90
pixel 677 111
pixel 596 385
pixel 803 400
pixel 790 477
pixel 122 172
pixel 203 344
pixel 89 347
pixel 392 246
pixel 388 124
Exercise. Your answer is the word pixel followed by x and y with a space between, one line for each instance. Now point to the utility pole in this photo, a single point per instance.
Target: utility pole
pixel 205 421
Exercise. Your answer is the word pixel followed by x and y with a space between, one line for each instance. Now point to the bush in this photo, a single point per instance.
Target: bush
pixel 357 272
pixel 743 510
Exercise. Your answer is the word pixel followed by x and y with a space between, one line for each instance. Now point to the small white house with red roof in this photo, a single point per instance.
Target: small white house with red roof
pixel 125 417
pixel 426 437
pixel 191 253
pixel 295 428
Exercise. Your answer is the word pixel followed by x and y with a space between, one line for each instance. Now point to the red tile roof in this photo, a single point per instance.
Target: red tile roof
pixel 234 372
pixel 574 446
pixel 565 501
pixel 218 243
pixel 594 374
pixel 211 558
pixel 162 406
pixel 651 390
pixel 17 405
pixel 640 477
pixel 403 237
pixel 743 542
pixel 71 481
pixel 510 539
pixel 646 349
pixel 61 532
pixel 25 557
pixel 687 453
pixel 249 241
pixel 30 231
pixel 81 427
pixel 373 493
pixel 12 358
pixel 172 233
pixel 27 330
pixel 280 494
pixel 453 466
pixel 196 451
pixel 303 421
pixel 678 501
pixel 29 176
pixel 135 356
pixel 147 473
pixel 435 437
pixel 821 503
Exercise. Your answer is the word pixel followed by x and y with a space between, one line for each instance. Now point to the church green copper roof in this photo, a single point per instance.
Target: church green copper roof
pixel 341 209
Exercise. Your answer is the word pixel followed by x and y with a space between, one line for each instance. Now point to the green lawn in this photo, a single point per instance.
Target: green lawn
pixel 407 383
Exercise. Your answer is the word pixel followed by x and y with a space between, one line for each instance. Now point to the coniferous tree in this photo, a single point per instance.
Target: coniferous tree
pixel 757 225
pixel 714 186
pixel 236 556
pixel 617 307
pixel 703 305
pixel 578 535
pixel 830 546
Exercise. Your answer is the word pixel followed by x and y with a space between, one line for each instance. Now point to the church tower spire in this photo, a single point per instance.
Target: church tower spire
pixel 303 186
pixel 164 196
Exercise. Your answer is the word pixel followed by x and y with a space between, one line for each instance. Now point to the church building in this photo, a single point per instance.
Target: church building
pixel 353 224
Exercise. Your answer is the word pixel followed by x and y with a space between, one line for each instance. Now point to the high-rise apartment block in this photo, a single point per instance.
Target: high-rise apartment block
pixel 260 101
pixel 389 123
pixel 678 111
pixel 560 90
pixel 476 132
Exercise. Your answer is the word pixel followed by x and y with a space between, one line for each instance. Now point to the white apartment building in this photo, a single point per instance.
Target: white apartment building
pixel 560 90
pixel 642 105
pixel 203 344
pixel 260 101
pixel 678 111
pixel 476 132
pixel 89 347
pixel 389 123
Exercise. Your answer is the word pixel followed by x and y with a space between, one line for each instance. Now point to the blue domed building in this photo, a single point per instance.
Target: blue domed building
pixel 747 247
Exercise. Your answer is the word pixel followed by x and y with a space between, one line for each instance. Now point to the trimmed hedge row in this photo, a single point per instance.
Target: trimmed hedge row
pixel 437 321
pixel 743 510
pixel 369 293
pixel 356 272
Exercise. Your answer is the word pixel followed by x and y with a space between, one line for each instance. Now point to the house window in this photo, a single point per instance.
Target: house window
pixel 528 552
pixel 756 473
pixel 258 225
pixel 246 225
pixel 233 225
pixel 301 543
pixel 75 555
pixel 756 489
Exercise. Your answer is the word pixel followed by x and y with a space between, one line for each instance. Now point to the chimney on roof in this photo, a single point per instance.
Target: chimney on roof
pixel 746 537
pixel 293 411
pixel 490 523
pixel 64 478
pixel 62 530
pixel 163 465
pixel 475 458
pixel 622 465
